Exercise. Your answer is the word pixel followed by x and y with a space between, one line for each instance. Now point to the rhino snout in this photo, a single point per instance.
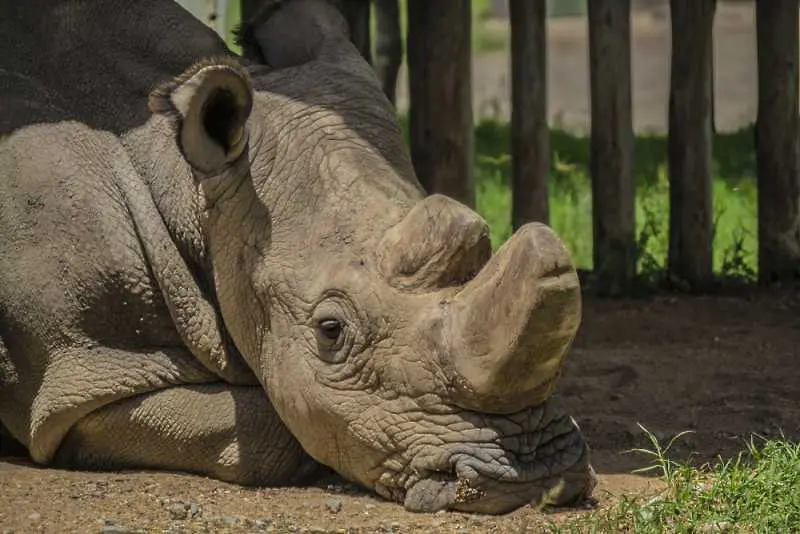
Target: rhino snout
pixel 545 462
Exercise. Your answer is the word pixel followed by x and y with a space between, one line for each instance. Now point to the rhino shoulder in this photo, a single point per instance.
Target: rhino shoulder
pixel 80 311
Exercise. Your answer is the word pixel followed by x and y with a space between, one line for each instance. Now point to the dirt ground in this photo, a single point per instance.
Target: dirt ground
pixel 723 367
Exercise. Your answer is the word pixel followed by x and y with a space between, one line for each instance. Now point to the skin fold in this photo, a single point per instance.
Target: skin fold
pixel 226 265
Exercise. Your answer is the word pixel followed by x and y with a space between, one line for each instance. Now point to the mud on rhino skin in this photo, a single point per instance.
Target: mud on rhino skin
pixel 225 265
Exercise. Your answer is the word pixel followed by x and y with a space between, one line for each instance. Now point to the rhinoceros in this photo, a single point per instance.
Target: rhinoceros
pixel 224 264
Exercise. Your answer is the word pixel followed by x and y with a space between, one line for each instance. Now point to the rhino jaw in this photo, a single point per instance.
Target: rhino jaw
pixel 547 462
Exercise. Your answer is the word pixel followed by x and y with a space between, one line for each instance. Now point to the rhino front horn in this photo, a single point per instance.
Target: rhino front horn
pixel 440 243
pixel 510 328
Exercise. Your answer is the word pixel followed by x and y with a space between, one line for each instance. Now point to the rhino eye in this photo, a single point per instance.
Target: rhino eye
pixel 329 331
pixel 335 336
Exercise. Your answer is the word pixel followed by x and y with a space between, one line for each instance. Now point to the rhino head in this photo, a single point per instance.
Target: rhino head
pixel 393 345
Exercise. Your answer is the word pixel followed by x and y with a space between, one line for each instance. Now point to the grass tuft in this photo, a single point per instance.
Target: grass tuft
pixel 758 491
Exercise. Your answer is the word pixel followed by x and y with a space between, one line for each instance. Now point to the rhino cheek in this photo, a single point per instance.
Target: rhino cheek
pixel 317 419
pixel 473 462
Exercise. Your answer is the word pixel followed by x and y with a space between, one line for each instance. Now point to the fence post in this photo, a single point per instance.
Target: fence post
pixel 612 145
pixel 690 256
pixel 388 45
pixel 777 152
pixel 530 133
pixel 440 96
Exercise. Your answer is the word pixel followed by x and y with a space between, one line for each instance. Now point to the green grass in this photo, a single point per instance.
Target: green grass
pixel 232 18
pixel 758 491
pixel 734 196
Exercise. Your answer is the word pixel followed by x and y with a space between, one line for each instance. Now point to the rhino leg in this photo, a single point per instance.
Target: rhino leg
pixel 226 432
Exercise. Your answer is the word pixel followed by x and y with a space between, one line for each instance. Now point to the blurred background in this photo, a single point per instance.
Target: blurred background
pixel 568 60
pixel 724 213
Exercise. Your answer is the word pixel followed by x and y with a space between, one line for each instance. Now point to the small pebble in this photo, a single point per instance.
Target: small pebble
pixel 183 510
pixel 261 523
pixel 35 516
pixel 333 505
pixel 229 520
pixel 176 511
pixel 194 510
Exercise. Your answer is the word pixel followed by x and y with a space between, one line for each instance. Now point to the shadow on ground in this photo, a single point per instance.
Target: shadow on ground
pixel 723 367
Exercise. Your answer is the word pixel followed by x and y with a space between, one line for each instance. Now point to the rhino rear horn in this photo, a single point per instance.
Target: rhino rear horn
pixel 440 243
pixel 285 33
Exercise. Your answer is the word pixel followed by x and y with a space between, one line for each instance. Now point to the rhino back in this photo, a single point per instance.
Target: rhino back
pixel 97 59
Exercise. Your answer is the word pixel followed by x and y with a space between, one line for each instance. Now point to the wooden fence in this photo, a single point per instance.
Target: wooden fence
pixel 438 49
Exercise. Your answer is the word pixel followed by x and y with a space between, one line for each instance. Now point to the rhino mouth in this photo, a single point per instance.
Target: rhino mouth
pixel 545 461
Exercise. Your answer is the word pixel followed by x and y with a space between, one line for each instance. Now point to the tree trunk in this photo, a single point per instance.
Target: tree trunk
pixel 388 45
pixel 613 187
pixel 530 134
pixel 690 258
pixel 777 153
pixel 357 15
pixel 440 94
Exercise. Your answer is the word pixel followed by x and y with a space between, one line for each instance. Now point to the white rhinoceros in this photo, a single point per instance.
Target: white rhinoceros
pixel 225 265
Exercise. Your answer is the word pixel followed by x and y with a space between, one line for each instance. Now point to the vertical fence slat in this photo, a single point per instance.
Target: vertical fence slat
pixel 690 256
pixel 388 45
pixel 777 150
pixel 440 96
pixel 613 188
pixel 530 134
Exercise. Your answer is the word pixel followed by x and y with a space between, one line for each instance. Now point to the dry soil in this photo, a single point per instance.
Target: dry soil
pixel 723 367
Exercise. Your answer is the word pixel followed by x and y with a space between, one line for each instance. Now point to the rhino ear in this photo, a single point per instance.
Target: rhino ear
pixel 209 105
pixel 286 33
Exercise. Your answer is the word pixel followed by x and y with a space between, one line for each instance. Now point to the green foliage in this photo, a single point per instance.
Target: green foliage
pixel 734 197
pixel 232 19
pixel 758 491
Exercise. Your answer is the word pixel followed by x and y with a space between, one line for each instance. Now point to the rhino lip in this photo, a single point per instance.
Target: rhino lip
pixel 463 478
pixel 447 488
pixel 439 493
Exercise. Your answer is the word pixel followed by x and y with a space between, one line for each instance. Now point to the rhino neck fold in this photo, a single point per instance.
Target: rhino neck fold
pixel 164 204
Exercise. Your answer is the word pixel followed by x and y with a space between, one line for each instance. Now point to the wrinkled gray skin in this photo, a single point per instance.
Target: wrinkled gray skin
pixel 246 281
